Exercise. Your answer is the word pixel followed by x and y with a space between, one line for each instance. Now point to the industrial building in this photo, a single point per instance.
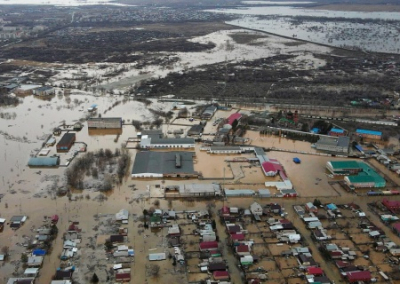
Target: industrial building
pixel 371 134
pixel 66 142
pixel 333 144
pixel 105 122
pixel 358 174
pixel 225 150
pixel 149 142
pixel 176 164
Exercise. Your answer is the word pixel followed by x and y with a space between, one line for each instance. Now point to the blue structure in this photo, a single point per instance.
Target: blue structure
pixel 359 148
pixel 336 131
pixel 331 207
pixel 296 160
pixel 315 130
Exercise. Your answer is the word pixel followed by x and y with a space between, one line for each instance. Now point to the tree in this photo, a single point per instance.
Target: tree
pixel 94 279
pixel 317 203
pixel 145 213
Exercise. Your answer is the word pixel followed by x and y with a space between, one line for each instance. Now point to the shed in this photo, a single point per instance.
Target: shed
pixel 31 272
pixel 38 252
pixel 256 209
pixel 207 246
pixel 243 250
pixel 264 193
pixel 157 256
pixel 315 271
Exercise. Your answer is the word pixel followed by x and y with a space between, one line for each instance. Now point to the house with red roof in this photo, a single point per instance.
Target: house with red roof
pixel 316 271
pixel 208 246
pixel 392 205
pixel 356 276
pixel 221 275
pixel 243 250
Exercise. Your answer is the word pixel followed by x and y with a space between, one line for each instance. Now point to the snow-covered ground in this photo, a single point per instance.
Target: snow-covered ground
pixel 61 2
pixel 226 50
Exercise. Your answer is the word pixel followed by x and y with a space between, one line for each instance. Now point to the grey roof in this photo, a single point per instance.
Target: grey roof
pixel 153 132
pixel 105 118
pixel 44 88
pixel 162 162
pixel 43 162
pixel 343 141
pixel 197 129
pixel 209 110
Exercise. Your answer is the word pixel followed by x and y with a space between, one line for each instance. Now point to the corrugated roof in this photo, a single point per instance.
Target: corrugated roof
pixel 337 130
pixel 66 138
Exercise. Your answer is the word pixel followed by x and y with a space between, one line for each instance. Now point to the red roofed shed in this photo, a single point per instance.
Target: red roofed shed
pixel 237 237
pixel 123 277
pixel 392 205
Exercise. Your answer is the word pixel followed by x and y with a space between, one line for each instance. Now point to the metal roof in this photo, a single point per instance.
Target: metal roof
pixel 337 130
pixel 344 165
pixel 66 139
pixel 162 162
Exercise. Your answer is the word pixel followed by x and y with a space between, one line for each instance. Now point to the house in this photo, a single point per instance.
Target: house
pixel 208 246
pixel 17 221
pixel 310 207
pixel 357 276
pixel 117 239
pixel 221 275
pixel 155 221
pixel 316 271
pixel 66 142
pixel 391 205
pixel 217 266
pixel 233 117
pixel 21 280
pixel 44 91
pixel 195 130
pixel 209 112
pixel 174 231
pixel 396 228
pixel 306 260
pixel 123 277
pixel 25 90
pixel 276 208
pixel 31 272
pixel 35 261
pixel 233 228
pixel 242 250
pixel 122 215
pixel 63 274
pixel 256 209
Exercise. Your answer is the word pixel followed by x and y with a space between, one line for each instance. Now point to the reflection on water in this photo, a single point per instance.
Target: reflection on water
pixel 100 132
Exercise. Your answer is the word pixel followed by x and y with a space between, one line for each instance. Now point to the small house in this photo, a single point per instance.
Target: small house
pixel 122 215
pixel 218 266
pixel 221 275
pixel 243 250
pixel 208 246
pixel 44 91
pixel 310 207
pixel 155 221
pixel 256 209
pixel 174 231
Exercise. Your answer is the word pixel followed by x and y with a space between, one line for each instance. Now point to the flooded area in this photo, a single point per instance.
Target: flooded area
pixel 347 29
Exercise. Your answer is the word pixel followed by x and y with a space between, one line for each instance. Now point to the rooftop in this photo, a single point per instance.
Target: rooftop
pixel 369 132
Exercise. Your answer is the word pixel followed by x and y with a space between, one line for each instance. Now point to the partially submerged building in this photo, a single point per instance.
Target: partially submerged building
pixel 44 161
pixel 153 142
pixel 66 142
pixel 105 122
pixel 338 145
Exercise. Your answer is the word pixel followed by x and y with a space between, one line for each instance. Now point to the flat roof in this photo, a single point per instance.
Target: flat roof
pixel 104 118
pixel 163 162
pixel 337 130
